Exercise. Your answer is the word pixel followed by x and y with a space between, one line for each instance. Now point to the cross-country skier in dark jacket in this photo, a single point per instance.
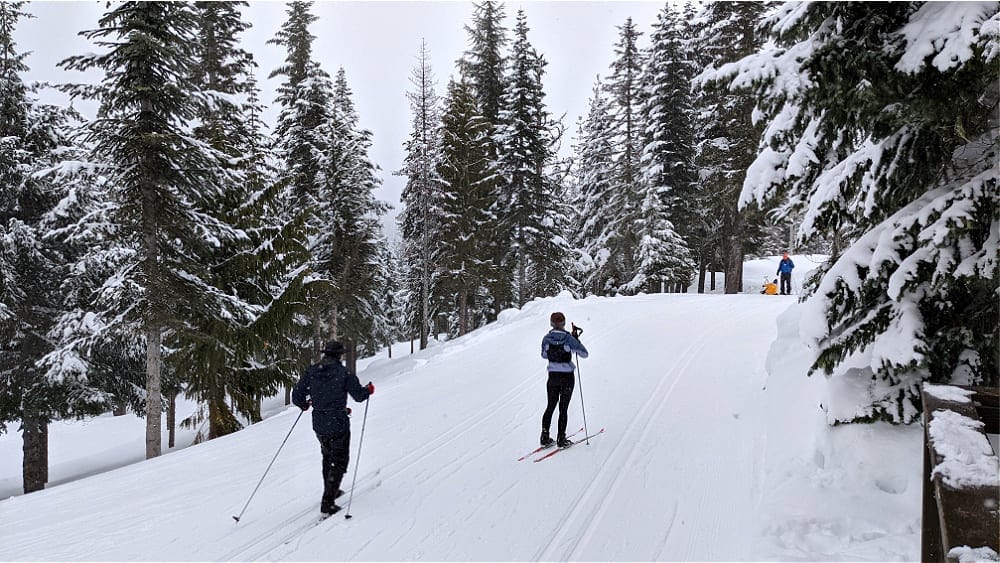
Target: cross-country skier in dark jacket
pixel 557 347
pixel 324 387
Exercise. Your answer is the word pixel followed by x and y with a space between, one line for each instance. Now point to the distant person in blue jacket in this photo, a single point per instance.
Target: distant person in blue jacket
pixel 325 387
pixel 558 347
pixel 785 270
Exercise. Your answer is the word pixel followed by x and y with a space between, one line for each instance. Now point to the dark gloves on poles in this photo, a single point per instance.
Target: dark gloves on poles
pixel 306 406
pixel 577 331
pixel 371 388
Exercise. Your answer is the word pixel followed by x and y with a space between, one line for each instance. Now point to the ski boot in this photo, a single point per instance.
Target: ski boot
pixel 564 442
pixel 545 440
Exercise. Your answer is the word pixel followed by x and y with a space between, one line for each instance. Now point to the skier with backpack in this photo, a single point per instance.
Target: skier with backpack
pixel 558 346
pixel 325 387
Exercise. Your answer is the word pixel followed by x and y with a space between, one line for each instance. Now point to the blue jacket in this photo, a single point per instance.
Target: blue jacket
pixel 556 337
pixel 785 266
pixel 327 384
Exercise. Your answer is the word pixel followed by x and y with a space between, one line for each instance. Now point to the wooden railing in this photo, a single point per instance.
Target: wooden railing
pixel 958 516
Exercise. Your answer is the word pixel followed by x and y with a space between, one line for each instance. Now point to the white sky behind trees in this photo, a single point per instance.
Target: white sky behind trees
pixel 377 44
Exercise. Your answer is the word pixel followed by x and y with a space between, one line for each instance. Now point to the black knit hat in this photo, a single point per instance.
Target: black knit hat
pixel 557 320
pixel 333 348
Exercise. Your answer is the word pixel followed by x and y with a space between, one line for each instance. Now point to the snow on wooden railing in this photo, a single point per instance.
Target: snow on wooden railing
pixel 961 512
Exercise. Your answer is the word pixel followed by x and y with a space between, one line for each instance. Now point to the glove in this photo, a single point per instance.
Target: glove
pixel 577 331
pixel 308 404
pixel 371 388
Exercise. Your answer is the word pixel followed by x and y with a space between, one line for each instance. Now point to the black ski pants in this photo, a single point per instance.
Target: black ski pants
pixel 336 454
pixel 786 283
pixel 560 391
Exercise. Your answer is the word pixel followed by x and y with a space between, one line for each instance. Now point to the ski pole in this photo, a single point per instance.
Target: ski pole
pixel 357 461
pixel 237 518
pixel 582 406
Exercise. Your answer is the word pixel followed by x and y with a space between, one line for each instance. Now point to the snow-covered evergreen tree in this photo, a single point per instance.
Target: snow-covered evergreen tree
pixel 484 65
pixel 420 217
pixel 33 264
pixel 531 205
pixel 668 155
pixel 882 131
pixel 218 353
pixel 306 143
pixel 593 172
pixel 625 198
pixel 464 172
pixel 354 260
pixel 728 136
pixel 156 226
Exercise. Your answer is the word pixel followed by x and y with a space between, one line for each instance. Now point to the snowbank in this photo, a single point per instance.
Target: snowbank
pixel 834 493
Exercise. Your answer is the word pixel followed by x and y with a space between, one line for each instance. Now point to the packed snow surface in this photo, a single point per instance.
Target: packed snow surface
pixel 715 448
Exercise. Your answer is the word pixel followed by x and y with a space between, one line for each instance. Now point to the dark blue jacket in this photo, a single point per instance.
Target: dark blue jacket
pixel 785 266
pixel 556 337
pixel 327 384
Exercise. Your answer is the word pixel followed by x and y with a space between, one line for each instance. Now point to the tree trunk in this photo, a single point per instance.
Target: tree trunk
pixel 734 266
pixel 711 287
pixel 522 274
pixel 35 447
pixel 463 310
pixel 154 405
pixel 334 329
pixel 171 420
pixel 389 348
pixel 702 270
pixel 120 409
pixel 288 395
pixel 317 354
pixel 215 416
pixel 352 356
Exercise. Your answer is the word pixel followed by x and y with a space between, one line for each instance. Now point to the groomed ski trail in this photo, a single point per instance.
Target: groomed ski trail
pixel 674 379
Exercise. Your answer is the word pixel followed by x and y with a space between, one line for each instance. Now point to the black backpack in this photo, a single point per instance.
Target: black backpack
pixel 559 354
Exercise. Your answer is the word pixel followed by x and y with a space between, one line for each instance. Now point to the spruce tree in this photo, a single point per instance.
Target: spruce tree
pixel 218 353
pixel 421 214
pixel 594 179
pixel 907 186
pixel 162 181
pixel 33 263
pixel 304 146
pixel 464 176
pixel 668 154
pixel 531 203
pixel 354 260
pixel 484 65
pixel 729 136
pixel 625 197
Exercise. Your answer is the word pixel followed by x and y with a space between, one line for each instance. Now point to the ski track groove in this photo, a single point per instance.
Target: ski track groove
pixel 236 555
pixel 410 459
pixel 598 516
pixel 660 397
pixel 579 505
pixel 447 439
pixel 666 534
pixel 545 552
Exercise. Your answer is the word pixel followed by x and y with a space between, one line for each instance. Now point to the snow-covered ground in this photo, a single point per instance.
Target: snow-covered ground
pixel 716 448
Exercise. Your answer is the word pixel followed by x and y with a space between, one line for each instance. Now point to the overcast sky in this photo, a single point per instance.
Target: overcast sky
pixel 377 43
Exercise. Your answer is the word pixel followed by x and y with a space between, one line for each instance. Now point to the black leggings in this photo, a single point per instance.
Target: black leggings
pixel 560 391
pixel 336 450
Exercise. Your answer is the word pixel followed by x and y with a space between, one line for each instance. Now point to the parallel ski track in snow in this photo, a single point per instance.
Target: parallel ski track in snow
pixel 400 465
pixel 561 546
